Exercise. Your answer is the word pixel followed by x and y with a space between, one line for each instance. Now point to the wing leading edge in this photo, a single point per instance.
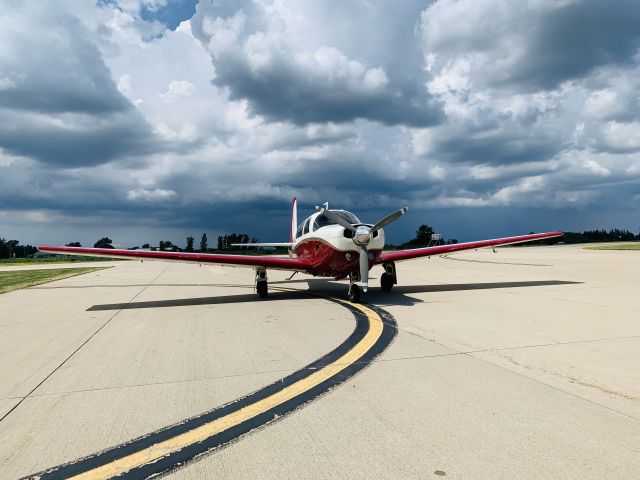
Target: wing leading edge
pixel 282 263
pixel 396 256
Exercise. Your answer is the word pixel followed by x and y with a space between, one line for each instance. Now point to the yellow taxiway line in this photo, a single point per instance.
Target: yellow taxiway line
pixel 174 444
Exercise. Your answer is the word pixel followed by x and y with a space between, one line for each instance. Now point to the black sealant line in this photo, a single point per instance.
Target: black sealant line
pixel 188 453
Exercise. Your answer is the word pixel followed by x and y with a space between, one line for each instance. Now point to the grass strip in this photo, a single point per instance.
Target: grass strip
pixel 17 279
pixel 7 262
pixel 620 246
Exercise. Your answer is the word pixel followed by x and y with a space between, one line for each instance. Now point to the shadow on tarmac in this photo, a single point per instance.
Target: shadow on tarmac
pixel 398 296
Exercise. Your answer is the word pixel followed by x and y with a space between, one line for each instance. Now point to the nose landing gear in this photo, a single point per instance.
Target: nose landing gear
pixel 354 289
pixel 354 294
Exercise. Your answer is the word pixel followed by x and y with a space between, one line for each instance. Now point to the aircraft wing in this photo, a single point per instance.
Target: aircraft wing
pixel 268 261
pixel 398 255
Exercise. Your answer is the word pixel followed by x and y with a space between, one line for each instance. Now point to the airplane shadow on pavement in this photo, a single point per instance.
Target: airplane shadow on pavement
pixel 399 295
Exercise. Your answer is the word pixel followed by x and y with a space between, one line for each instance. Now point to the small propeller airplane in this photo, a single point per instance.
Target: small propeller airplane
pixel 328 243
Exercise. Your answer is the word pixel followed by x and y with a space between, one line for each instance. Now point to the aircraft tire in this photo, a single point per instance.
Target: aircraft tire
pixel 354 294
pixel 386 282
pixel 262 289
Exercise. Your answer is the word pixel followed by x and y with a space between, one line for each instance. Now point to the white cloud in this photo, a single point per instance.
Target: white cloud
pixel 624 137
pixel 596 168
pixel 154 195
pixel 633 169
pixel 177 89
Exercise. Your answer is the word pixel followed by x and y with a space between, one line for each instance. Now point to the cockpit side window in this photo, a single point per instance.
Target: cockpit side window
pixel 305 228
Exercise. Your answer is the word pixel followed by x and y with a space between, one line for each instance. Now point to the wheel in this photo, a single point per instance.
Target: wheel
pixel 386 281
pixel 354 294
pixel 262 289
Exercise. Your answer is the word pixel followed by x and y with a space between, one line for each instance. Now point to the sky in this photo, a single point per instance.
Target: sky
pixel 149 120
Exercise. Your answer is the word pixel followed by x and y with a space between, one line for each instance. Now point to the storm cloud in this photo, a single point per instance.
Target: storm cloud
pixel 58 101
pixel 264 54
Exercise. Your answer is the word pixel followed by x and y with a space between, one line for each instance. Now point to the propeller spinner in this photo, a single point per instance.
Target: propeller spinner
pixel 362 235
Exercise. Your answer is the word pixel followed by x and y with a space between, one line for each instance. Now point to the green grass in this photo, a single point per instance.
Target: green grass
pixel 51 260
pixel 28 278
pixel 616 246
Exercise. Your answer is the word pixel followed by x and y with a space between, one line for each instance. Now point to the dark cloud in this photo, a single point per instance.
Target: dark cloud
pixel 75 141
pixel 495 147
pixel 569 42
pixel 53 67
pixel 58 101
pixel 282 94
pixel 531 46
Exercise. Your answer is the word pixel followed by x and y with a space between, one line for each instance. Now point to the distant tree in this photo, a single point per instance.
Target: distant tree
pixel 203 243
pixel 423 234
pixel 189 245
pixel 166 245
pixel 24 251
pixel 12 244
pixel 423 237
pixel 73 244
pixel 146 245
pixel 104 242
pixel 226 242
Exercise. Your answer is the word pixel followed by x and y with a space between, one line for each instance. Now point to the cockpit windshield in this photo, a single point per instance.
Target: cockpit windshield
pixel 323 221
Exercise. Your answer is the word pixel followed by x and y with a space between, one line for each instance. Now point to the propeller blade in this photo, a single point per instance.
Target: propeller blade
pixel 389 218
pixel 364 268
pixel 334 217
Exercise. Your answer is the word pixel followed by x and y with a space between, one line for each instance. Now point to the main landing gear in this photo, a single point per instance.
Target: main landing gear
pixel 261 282
pixel 388 278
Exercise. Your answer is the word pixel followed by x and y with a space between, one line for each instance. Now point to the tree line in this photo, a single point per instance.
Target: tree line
pixel 13 249
pixel 589 236
pixel 225 242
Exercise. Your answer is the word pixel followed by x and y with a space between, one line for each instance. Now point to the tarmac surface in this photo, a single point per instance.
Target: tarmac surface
pixel 520 364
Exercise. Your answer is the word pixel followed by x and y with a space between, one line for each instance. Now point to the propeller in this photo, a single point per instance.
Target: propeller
pixel 334 217
pixel 362 235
